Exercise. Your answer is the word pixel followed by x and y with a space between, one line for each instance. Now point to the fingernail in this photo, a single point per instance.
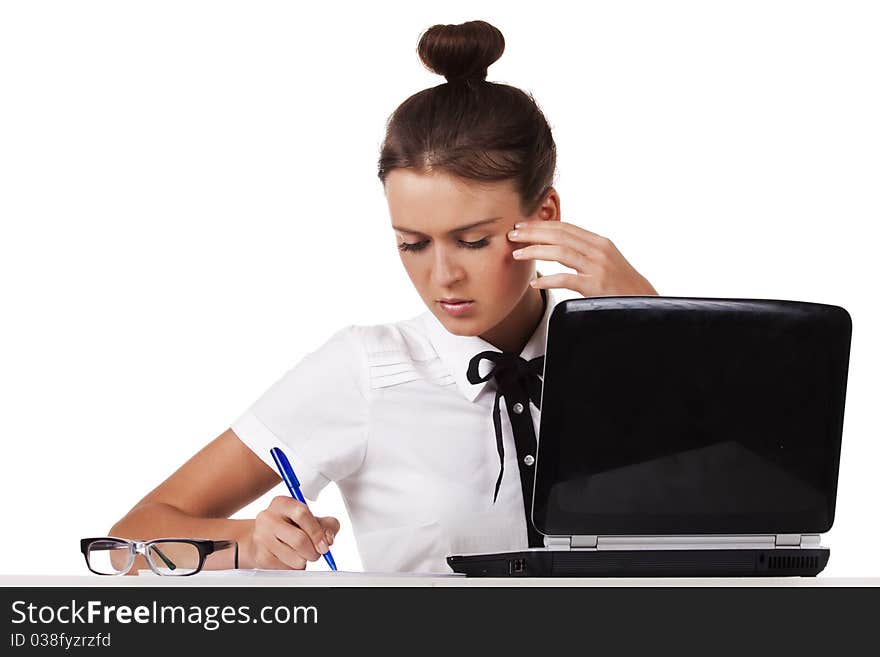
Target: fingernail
pixel 533 283
pixel 514 233
pixel 517 253
pixel 519 225
pixel 322 546
pixel 330 536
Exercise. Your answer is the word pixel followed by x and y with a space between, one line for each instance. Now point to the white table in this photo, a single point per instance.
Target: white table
pixel 330 579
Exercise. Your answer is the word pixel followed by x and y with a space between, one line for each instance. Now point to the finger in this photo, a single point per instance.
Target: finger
pixel 300 515
pixel 287 555
pixel 331 527
pixel 264 540
pixel 582 283
pixel 297 539
pixel 267 559
pixel 558 232
pixel 565 255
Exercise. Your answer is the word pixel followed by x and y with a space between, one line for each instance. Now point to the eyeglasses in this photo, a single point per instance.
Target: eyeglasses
pixel 109 555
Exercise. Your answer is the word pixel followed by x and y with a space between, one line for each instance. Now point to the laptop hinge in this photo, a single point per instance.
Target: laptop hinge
pixel 797 540
pixel 584 541
pixel 788 540
pixel 557 542
pixel 568 542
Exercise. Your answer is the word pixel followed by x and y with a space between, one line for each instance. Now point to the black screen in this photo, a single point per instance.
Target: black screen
pixel 664 415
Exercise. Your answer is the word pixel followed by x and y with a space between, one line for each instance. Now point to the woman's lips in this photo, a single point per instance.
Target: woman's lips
pixel 456 309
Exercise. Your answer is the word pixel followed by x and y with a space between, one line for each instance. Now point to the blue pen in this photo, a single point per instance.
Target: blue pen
pixel 292 482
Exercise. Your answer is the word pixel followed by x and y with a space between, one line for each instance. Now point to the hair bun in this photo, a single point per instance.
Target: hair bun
pixel 461 52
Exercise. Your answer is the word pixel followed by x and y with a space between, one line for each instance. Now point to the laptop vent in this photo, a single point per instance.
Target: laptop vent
pixel 784 562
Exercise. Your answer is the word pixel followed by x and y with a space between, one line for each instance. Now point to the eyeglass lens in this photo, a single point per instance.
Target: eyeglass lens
pixel 173 557
pixel 109 557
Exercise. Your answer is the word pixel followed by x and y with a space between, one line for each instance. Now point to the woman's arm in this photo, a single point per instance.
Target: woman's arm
pixel 196 500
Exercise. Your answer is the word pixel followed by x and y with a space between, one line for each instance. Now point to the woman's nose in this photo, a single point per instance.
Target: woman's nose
pixel 446 269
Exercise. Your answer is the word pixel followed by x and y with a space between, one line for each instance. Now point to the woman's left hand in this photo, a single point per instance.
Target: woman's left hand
pixel 600 269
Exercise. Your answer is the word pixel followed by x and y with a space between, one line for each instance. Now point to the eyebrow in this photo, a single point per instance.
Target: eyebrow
pixel 460 229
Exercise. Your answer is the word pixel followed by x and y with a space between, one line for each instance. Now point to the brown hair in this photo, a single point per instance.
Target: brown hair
pixel 469 127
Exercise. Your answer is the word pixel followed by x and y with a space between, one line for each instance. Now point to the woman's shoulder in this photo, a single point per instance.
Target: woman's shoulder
pixel 405 338
pixel 398 352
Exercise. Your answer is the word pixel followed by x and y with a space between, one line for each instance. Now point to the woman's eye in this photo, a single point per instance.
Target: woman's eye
pixel 476 245
pixel 418 246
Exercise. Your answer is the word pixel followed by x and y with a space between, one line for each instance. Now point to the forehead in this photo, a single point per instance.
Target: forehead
pixel 436 202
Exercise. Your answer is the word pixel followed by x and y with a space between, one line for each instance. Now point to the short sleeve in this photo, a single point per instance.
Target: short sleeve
pixel 317 413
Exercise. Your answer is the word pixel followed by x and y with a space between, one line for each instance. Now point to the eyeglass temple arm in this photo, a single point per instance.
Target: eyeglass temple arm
pixel 222 545
pixel 171 565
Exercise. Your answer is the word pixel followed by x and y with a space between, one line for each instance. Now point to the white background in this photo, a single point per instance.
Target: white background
pixel 189 204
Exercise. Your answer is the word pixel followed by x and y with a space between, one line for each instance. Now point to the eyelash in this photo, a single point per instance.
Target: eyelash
pixel 418 246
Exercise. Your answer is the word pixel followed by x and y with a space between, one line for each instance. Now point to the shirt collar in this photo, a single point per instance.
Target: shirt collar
pixel 456 351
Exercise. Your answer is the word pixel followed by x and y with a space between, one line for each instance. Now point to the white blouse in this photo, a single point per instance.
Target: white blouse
pixel 388 414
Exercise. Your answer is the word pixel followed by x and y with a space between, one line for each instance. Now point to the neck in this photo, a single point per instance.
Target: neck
pixel 513 332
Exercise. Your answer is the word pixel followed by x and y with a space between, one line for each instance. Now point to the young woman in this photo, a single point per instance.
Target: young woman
pixel 406 417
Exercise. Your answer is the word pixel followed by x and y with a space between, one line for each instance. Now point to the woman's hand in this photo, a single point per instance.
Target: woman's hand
pixel 286 535
pixel 600 269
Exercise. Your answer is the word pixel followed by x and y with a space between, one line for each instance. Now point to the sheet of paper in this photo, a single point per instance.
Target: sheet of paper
pixel 257 572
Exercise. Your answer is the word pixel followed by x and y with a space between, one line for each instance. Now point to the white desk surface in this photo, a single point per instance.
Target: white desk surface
pixel 330 579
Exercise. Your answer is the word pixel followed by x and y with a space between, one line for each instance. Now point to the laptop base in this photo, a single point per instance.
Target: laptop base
pixel 543 562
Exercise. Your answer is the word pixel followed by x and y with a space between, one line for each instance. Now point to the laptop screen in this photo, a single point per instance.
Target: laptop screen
pixel 664 415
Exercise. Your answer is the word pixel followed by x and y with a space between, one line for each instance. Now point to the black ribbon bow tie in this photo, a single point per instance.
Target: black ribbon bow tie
pixel 517 379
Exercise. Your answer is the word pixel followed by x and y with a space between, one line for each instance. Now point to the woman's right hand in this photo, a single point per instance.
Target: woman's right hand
pixel 286 535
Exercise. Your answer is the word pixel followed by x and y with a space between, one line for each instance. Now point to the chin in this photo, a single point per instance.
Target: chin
pixel 465 326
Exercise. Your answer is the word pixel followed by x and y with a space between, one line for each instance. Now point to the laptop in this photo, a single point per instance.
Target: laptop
pixel 684 437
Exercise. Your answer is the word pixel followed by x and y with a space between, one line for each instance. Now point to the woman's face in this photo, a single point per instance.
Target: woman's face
pixel 452 238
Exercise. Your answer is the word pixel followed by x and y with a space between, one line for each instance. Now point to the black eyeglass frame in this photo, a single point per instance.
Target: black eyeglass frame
pixel 205 547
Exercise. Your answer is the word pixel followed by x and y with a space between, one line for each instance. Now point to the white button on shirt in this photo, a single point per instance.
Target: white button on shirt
pixel 388 414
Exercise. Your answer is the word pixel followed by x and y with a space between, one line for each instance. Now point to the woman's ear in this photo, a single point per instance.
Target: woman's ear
pixel 550 208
